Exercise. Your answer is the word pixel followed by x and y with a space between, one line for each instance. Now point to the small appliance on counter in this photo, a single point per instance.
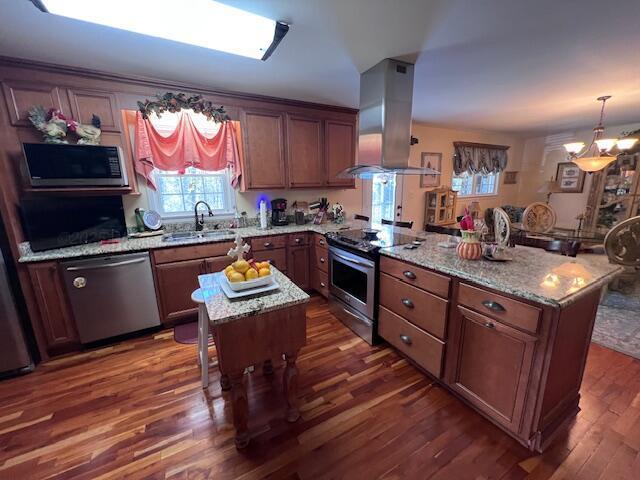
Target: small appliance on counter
pixel 300 212
pixel 279 212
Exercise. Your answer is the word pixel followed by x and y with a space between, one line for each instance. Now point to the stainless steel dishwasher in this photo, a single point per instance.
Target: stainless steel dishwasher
pixel 111 295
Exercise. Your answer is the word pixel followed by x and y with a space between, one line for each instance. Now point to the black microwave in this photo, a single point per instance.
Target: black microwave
pixel 62 165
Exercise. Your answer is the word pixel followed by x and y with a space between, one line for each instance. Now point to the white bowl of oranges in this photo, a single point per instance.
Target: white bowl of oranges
pixel 246 274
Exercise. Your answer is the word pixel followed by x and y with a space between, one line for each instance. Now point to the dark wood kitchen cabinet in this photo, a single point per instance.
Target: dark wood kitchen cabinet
pixel 298 266
pixel 340 151
pixel 176 273
pixel 264 164
pixel 86 103
pixel 305 155
pixel 492 365
pixel 175 282
pixel 56 319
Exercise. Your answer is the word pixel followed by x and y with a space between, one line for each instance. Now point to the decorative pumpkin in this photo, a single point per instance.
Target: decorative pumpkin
pixel 469 247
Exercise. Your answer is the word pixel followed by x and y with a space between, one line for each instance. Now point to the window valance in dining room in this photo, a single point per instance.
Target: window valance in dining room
pixel 479 158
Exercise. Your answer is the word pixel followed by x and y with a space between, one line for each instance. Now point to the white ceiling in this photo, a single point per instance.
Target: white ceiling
pixel 522 66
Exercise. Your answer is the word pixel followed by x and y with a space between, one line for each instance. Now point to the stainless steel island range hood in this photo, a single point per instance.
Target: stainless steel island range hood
pixel 386 93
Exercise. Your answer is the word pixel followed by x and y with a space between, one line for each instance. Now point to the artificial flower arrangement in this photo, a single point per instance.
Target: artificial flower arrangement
pixel 470 247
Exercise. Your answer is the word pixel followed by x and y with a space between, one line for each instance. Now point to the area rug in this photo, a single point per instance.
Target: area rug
pixel 187 333
pixel 618 322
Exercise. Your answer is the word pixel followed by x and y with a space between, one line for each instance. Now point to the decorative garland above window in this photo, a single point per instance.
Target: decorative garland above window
pixel 174 102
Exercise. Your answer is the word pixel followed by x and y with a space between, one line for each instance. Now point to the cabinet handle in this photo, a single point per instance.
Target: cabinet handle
pixel 405 339
pixel 322 242
pixel 407 303
pixel 322 284
pixel 267 244
pixel 490 325
pixel 298 240
pixel 409 274
pixel 322 260
pixel 495 306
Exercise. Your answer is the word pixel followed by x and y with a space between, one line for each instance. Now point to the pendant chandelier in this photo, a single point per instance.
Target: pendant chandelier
pixel 598 154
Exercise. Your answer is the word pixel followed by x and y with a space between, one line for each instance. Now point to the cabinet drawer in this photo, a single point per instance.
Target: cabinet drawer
pixel 277 257
pixel 417 306
pixel 507 310
pixel 417 344
pixel 320 282
pixel 320 259
pixel 268 243
pixel 298 239
pixel 178 254
pixel 416 276
pixel 320 241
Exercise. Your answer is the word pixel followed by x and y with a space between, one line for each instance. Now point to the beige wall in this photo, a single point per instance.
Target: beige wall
pixel 438 139
pixel 432 139
pixel 540 162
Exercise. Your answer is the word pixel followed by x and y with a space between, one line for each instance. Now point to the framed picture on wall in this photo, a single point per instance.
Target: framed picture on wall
pixel 569 178
pixel 510 177
pixel 430 160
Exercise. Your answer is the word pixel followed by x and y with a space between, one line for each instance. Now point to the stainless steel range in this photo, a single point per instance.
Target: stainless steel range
pixel 353 275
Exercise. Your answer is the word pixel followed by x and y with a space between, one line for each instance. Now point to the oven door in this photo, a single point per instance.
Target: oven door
pixel 352 280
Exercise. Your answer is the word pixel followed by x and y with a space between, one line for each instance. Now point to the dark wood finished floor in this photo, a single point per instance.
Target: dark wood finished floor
pixel 136 410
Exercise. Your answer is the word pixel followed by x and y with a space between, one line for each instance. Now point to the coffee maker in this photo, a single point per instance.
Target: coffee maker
pixel 279 212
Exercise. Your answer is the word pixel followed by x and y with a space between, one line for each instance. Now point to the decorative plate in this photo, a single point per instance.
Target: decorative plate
pixel 152 220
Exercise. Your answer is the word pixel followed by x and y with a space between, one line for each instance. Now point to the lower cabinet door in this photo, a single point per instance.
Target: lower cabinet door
pixel 277 257
pixel 56 318
pixel 298 266
pixel 320 281
pixel 491 366
pixel 175 282
pixel 217 264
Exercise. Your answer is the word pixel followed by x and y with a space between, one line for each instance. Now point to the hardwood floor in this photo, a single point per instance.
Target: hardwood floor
pixel 136 410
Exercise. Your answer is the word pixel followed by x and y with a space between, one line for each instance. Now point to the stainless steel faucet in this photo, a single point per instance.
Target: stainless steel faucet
pixel 200 221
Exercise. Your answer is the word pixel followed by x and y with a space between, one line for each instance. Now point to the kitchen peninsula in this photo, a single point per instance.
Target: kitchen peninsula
pixel 509 338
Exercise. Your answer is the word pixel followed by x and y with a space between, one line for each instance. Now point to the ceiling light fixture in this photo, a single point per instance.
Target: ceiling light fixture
pixel 204 23
pixel 597 155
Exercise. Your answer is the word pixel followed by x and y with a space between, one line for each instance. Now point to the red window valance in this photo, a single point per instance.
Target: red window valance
pixel 185 147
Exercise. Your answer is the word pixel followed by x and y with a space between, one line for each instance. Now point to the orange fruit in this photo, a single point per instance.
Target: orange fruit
pixel 264 272
pixel 236 277
pixel 251 274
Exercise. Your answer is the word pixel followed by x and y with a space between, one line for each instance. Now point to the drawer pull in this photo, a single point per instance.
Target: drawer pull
pixel 405 339
pixel 267 244
pixel 298 240
pixel 322 260
pixel 409 274
pixel 322 242
pixel 322 284
pixel 489 325
pixel 495 306
pixel 407 303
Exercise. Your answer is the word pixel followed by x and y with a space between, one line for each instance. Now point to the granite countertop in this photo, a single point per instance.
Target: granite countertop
pixel 221 309
pixel 533 274
pixel 150 243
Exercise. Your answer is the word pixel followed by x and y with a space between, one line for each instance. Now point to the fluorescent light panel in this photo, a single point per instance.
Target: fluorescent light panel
pixel 204 23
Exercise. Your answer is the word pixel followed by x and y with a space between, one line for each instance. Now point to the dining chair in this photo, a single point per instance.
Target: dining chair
pixel 538 217
pixel 397 223
pixel 622 246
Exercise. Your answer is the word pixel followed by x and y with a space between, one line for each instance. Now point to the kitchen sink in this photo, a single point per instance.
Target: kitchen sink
pixel 192 235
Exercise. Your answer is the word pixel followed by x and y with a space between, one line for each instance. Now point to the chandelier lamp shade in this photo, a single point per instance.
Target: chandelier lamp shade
pixel 599 153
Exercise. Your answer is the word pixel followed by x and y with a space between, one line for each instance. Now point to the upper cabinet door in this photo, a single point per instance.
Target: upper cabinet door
pixel 86 103
pixel 264 154
pixel 340 151
pixel 305 157
pixel 22 96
